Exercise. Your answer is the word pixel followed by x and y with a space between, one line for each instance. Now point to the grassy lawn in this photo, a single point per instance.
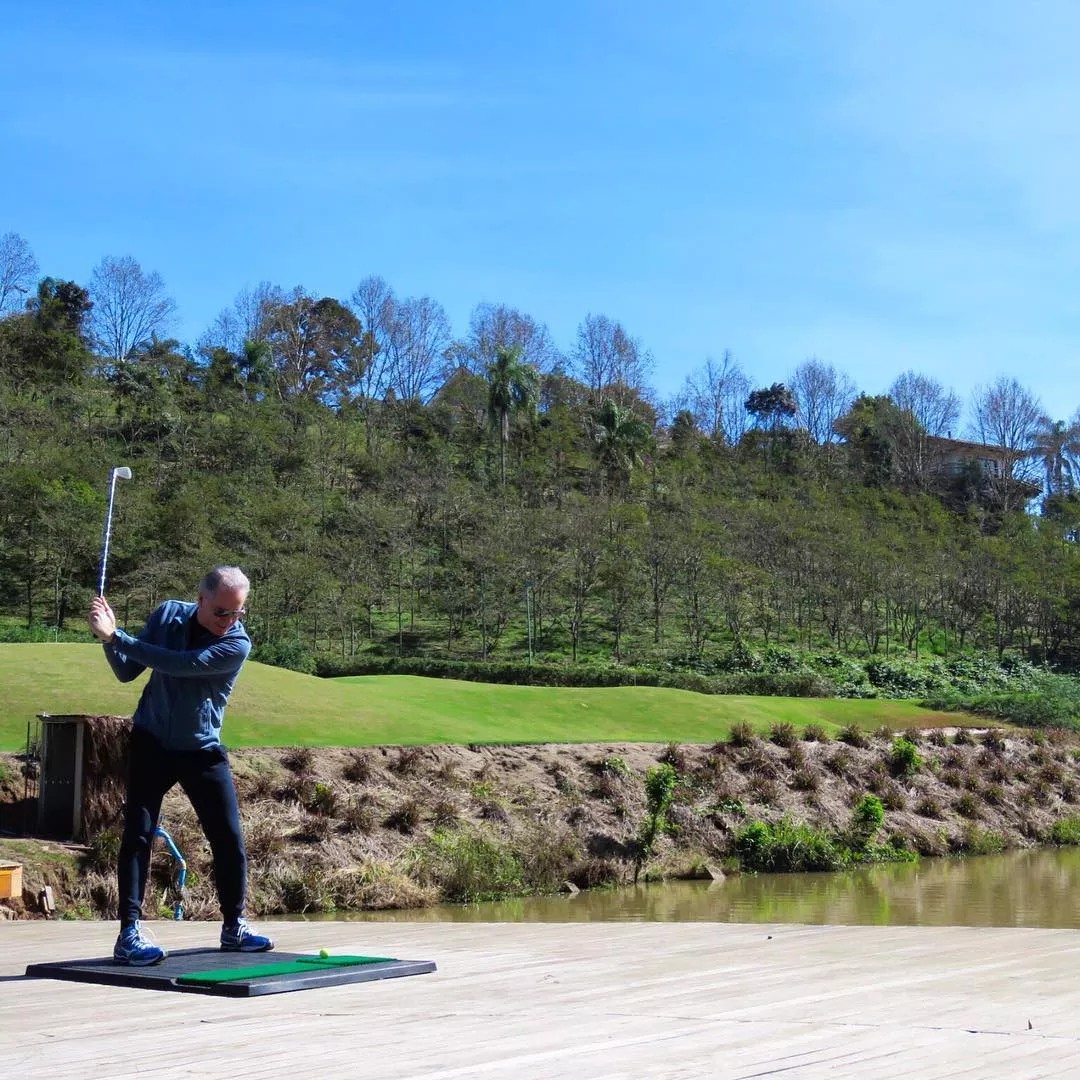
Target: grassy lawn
pixel 274 707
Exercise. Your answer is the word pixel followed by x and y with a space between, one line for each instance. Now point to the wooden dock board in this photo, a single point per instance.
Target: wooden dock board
pixel 582 1000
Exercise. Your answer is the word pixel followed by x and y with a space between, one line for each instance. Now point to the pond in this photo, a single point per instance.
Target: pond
pixel 1038 888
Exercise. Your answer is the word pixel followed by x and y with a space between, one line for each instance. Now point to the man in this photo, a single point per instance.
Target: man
pixel 194 653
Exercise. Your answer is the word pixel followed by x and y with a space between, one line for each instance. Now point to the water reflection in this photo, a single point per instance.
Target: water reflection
pixel 1031 888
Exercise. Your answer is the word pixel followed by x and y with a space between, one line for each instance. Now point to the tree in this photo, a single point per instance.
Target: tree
pixel 495 326
pixel 717 394
pixel 314 344
pixel 772 407
pixel 621 439
pixel 130 307
pixel 244 321
pixel 45 346
pixel 1009 416
pixel 925 408
pixel 513 387
pixel 1057 447
pixel 822 395
pixel 18 271
pixel 419 338
pixel 608 360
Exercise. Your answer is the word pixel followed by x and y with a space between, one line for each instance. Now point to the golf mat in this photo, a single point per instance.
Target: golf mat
pixel 211 971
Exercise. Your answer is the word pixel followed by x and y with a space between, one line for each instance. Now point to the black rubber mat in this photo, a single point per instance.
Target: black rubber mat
pixel 309 972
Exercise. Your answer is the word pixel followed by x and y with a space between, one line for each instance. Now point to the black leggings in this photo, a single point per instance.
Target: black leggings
pixel 207 781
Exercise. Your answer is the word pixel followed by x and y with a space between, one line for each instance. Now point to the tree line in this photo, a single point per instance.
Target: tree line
pixel 391 488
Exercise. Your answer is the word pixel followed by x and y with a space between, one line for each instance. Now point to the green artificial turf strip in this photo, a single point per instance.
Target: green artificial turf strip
pixel 275 707
pixel 302 966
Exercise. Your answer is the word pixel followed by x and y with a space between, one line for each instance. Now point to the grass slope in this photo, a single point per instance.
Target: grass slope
pixel 274 707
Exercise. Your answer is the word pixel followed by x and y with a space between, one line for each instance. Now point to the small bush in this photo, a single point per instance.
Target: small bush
pixel 298 759
pixel 904 758
pixel 815 733
pixel 854 735
pixel 1066 832
pixel 407 760
pixel 867 817
pixel 323 800
pixel 405 817
pixel 786 846
pixel 967 805
pixel 358 768
pixel 742 734
pixel 783 734
pixel 467 866
pixel 929 807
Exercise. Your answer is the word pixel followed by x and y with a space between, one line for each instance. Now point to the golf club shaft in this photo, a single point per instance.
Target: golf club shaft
pixel 108 530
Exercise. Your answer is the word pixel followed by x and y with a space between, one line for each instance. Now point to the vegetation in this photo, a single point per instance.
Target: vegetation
pixel 275 707
pixel 395 492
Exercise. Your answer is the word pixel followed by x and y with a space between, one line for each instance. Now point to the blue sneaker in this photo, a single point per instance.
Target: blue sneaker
pixel 135 949
pixel 242 938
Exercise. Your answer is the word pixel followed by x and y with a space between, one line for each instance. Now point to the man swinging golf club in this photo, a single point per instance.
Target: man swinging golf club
pixel 194 653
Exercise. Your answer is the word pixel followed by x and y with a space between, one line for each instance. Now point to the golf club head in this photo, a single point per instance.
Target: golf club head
pixel 122 472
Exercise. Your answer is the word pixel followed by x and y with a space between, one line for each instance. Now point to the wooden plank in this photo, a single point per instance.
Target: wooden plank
pixel 589 1000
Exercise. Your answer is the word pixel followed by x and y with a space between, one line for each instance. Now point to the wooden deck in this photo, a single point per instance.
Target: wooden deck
pixel 533 1000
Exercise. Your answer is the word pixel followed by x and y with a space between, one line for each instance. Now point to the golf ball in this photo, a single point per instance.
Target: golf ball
pixel 323 954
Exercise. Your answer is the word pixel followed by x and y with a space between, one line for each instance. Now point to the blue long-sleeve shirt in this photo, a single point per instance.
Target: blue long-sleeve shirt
pixel 183 703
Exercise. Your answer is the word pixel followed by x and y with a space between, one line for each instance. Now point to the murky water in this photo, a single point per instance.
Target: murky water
pixel 1031 888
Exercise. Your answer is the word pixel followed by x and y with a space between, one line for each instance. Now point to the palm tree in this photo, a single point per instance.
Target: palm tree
pixel 622 438
pixel 513 387
pixel 1057 445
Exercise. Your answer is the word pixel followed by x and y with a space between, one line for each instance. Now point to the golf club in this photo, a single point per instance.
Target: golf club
pixel 120 473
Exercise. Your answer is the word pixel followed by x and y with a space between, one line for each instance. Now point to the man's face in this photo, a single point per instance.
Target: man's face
pixel 218 610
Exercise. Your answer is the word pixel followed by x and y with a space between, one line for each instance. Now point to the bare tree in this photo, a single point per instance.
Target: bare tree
pixel 419 338
pixel 496 327
pixel 244 321
pixel 609 361
pixel 130 307
pixel 1009 416
pixel 18 272
pixel 717 394
pixel 822 396
pixel 924 408
pixel 930 404
pixel 374 304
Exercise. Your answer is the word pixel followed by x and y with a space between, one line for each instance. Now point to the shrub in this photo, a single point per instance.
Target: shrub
pixel 904 758
pixel 783 734
pixel 967 805
pixel 673 755
pixel 1066 831
pixel 742 734
pixel 867 817
pixel 358 768
pixel 407 760
pixel 323 800
pixel 786 846
pixel 815 733
pixel 466 866
pixel 854 735
pixel 298 759
pixel 405 817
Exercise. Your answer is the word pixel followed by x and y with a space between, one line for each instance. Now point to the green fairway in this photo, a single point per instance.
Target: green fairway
pixel 274 707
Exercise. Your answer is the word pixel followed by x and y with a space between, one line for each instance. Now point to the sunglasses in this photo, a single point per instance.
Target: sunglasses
pixel 229 613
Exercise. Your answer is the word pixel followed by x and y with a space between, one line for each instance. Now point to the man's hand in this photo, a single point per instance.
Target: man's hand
pixel 102 619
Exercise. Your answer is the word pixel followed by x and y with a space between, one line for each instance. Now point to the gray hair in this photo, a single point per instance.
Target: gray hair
pixel 228 577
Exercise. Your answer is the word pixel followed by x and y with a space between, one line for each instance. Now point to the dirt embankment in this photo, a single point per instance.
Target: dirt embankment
pixel 399 827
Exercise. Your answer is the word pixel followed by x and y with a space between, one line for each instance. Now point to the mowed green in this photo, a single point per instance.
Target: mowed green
pixel 274 707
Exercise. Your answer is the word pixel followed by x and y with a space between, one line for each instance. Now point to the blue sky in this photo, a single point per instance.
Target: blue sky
pixel 884 186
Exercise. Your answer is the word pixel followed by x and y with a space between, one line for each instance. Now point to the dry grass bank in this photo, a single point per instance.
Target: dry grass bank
pixel 400 827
